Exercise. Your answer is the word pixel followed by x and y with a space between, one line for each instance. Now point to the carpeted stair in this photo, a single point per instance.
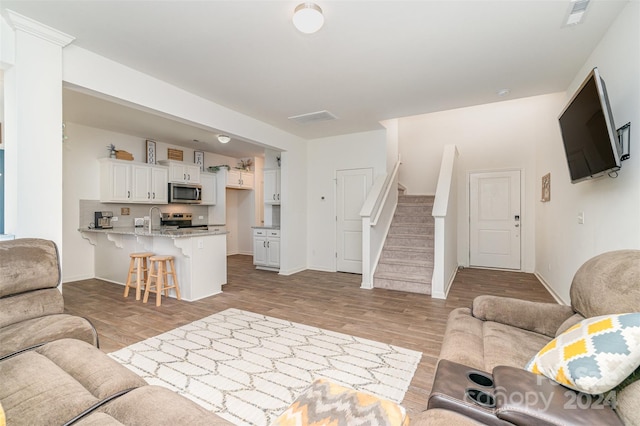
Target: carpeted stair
pixel 406 262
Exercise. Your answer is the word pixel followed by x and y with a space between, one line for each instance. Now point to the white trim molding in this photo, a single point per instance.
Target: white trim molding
pixel 35 28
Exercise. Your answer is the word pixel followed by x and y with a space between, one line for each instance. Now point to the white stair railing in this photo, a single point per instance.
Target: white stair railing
pixel 377 212
pixel 445 213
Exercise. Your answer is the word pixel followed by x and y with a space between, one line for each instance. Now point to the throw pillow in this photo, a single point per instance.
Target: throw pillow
pixel 594 355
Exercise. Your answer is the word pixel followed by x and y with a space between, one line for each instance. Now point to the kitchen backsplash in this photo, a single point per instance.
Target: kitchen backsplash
pixel 89 207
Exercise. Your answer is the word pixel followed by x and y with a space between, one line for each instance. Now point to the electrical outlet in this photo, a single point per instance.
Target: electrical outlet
pixel 114 219
pixel 200 244
pixel 581 218
pixel 200 217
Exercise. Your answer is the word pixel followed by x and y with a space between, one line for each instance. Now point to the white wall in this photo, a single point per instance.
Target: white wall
pixel 611 207
pixel 497 136
pixel 325 157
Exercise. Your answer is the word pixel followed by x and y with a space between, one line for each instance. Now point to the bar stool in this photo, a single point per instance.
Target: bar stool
pixel 138 266
pixel 159 270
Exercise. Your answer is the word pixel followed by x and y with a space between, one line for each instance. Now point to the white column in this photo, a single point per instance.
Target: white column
pixel 33 131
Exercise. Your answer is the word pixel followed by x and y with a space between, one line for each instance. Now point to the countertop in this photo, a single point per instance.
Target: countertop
pixel 171 233
pixel 265 227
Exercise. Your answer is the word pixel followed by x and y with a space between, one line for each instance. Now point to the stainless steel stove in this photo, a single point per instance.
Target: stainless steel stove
pixel 180 221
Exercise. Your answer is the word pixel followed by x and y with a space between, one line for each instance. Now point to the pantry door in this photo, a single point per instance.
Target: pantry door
pixel 494 223
pixel 351 192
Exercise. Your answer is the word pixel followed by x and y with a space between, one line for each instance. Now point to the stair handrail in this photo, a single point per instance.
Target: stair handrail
pixel 378 195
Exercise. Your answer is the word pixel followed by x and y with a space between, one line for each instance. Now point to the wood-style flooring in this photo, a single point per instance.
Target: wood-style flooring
pixel 332 301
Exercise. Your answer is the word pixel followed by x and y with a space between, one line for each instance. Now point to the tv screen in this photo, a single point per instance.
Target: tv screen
pixel 588 131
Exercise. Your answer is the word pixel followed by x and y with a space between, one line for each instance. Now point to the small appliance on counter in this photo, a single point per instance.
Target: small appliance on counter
pixel 103 220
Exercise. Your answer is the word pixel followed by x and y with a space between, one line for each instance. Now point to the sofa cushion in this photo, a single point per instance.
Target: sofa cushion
pixel 511 346
pixel 45 329
pixel 594 355
pixel 28 264
pixel 152 405
pixel 33 304
pixel 607 284
pixel 463 342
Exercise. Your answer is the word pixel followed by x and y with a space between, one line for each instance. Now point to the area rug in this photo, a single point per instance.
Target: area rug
pixel 248 368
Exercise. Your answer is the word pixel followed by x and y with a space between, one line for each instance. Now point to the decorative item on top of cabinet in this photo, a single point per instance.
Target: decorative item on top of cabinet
pixel 198 158
pixel 266 249
pixel 151 152
pixel 272 186
pixel 175 154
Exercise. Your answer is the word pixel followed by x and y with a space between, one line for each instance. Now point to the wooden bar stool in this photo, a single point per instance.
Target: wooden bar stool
pixel 138 266
pixel 157 279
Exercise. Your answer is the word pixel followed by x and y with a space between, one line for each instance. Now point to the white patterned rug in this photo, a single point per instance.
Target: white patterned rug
pixel 248 368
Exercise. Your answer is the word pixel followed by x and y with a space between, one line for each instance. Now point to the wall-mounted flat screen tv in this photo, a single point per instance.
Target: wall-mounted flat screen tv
pixel 588 131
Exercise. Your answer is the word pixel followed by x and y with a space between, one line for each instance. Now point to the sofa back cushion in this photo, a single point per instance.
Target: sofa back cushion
pixel 28 264
pixel 607 284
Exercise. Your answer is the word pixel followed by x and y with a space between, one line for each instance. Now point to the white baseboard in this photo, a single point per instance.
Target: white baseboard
pixel 110 281
pixel 550 290
pixel 76 278
pixel 321 269
pixel 292 271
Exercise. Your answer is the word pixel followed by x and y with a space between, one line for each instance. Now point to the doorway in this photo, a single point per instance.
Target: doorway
pixel 494 219
pixel 352 187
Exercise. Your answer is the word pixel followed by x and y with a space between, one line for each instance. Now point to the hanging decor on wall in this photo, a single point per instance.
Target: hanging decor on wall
pixel 546 188
pixel 151 152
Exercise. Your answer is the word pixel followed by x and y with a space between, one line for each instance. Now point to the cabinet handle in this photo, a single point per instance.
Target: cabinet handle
pixel 274 196
pixel 267 243
pixel 154 195
pixel 264 244
pixel 278 197
pixel 184 176
pixel 188 177
pixel 128 194
pixel 148 195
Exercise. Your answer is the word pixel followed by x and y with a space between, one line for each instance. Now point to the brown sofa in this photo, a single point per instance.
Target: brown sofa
pixel 499 331
pixel 31 307
pixel 51 371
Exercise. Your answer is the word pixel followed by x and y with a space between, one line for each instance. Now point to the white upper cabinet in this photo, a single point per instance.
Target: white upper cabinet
pixel 272 186
pixel 180 172
pixel 128 182
pixel 209 188
pixel 239 179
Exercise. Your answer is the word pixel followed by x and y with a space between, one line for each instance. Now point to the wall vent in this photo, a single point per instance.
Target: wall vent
pixel 313 117
pixel 577 11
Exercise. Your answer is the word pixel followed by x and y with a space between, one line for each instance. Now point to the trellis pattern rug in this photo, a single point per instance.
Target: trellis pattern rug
pixel 248 368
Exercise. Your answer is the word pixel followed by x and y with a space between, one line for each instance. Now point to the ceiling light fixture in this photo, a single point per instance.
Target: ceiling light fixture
pixel 223 138
pixel 308 18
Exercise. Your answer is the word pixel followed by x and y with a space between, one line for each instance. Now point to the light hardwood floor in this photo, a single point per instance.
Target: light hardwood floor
pixel 333 301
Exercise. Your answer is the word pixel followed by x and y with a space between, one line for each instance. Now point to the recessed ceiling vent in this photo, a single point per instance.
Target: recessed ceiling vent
pixel 313 117
pixel 577 11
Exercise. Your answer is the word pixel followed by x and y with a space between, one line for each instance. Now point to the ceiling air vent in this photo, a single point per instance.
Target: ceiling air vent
pixel 576 12
pixel 313 117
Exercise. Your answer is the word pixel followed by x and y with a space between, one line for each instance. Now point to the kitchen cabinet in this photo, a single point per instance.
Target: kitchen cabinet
pixel 209 190
pixel 124 181
pixel 149 184
pixel 239 179
pixel 180 172
pixel 266 249
pixel 272 186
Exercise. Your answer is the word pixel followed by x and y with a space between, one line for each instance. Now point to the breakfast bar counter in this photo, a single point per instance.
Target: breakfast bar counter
pixel 200 255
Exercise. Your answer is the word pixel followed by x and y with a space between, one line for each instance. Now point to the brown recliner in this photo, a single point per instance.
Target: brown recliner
pixel 31 307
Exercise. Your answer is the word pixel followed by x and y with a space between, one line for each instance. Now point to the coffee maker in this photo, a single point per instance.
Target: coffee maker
pixel 103 220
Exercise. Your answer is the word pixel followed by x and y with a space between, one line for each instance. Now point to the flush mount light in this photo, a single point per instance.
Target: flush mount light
pixel 223 138
pixel 308 18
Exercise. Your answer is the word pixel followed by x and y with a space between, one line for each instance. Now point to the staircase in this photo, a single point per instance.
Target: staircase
pixel 406 262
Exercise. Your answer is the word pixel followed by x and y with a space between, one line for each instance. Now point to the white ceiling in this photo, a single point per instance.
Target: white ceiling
pixel 372 60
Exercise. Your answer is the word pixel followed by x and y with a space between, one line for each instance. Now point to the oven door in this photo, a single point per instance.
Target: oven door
pixel 185 194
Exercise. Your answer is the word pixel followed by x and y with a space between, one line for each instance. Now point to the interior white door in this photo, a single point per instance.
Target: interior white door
pixel 352 189
pixel 494 223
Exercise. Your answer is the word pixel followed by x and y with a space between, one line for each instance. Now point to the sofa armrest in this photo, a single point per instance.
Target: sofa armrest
pixel 543 318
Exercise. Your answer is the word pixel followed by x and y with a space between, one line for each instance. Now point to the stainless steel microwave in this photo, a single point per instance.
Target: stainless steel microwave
pixel 185 193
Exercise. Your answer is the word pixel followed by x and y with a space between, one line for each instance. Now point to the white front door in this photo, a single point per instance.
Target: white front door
pixel 494 208
pixel 352 189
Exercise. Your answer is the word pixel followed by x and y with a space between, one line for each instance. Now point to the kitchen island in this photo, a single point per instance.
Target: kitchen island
pixel 200 255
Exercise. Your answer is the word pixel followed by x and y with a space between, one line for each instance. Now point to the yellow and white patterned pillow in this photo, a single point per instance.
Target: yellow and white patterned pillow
pixel 594 355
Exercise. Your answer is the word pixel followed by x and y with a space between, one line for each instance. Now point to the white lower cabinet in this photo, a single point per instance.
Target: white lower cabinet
pixel 266 249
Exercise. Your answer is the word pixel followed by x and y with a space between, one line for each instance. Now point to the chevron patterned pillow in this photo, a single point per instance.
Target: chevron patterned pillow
pixel 594 355
pixel 326 403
